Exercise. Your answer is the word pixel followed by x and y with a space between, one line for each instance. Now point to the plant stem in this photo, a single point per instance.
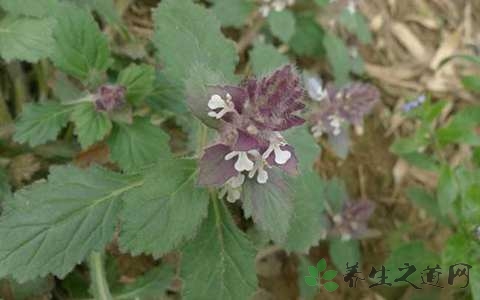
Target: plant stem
pixel 98 278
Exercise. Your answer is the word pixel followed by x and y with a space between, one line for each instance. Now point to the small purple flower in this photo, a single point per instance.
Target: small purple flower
pixel 250 119
pixel 411 105
pixel 352 221
pixel 109 97
pixel 347 105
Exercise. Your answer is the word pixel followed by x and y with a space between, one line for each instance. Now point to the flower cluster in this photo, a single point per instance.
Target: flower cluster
pixel 409 106
pixel 251 118
pixel 339 107
pixel 266 6
pixel 352 221
pixel 109 97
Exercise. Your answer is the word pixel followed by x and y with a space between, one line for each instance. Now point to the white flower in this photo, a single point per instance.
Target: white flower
pixel 243 162
pixel 352 9
pixel 216 102
pixel 281 156
pixel 336 124
pixel 259 168
pixel 314 88
pixel 232 188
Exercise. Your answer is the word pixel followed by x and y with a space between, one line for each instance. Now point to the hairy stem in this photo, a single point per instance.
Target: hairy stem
pixel 98 278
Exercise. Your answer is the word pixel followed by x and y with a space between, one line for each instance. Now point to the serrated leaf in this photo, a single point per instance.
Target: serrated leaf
pixel 81 49
pixel 306 148
pixel 49 227
pixel 329 275
pixel 138 80
pixel 321 265
pixel 187 34
pixel 338 58
pixel 308 37
pixel 220 262
pixel 90 126
pixel 343 252
pixel 152 284
pixel 232 12
pixel 308 224
pixel 165 211
pixel 266 58
pixel 31 8
pixel 270 205
pixel 137 145
pixel 331 286
pixel 447 190
pixel 25 38
pixel 282 24
pixel 40 123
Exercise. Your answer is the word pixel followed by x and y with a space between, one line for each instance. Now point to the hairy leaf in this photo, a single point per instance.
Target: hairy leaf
pixel 165 211
pixel 265 58
pixel 232 12
pixel 137 145
pixel 187 34
pixel 40 123
pixel 81 49
pixel 220 262
pixel 90 126
pixel 282 24
pixel 305 146
pixel 138 80
pixel 25 38
pixel 49 227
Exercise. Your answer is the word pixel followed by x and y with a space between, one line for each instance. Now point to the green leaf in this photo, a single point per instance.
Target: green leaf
pixel 138 80
pixel 425 200
pixel 137 145
pixel 25 38
pixel 99 288
pixel 187 34
pixel 329 275
pixel 308 224
pixel 31 8
pixel 49 227
pixel 90 126
pixel 336 194
pixel 232 12
pixel 81 49
pixel 270 205
pixel 282 24
pixel 421 160
pixel 40 123
pixel 311 281
pixel 165 211
pixel 152 284
pixel 413 253
pixel 330 286
pixel 306 292
pixel 5 189
pixel 338 57
pixel 106 8
pixel 322 2
pixel 306 148
pixel 356 24
pixel 32 289
pixel 313 271
pixel 343 252
pixel 220 262
pixel 447 190
pixel 471 83
pixel 321 265
pixel 308 37
pixel 461 129
pixel 266 58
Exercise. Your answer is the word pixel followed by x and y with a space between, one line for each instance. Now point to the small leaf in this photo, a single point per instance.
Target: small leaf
pixel 138 80
pixel 232 12
pixel 282 24
pixel 338 57
pixel 471 83
pixel 343 252
pixel 165 211
pixel 31 8
pixel 81 49
pixel 223 255
pixel 313 271
pixel 306 292
pixel 306 148
pixel 90 126
pixel 25 38
pixel 311 281
pixel 447 190
pixel 356 24
pixel 148 286
pixel 137 145
pixel 266 58
pixel 329 275
pixel 330 286
pixel 426 200
pixel 308 37
pixel 321 265
pixel 40 123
